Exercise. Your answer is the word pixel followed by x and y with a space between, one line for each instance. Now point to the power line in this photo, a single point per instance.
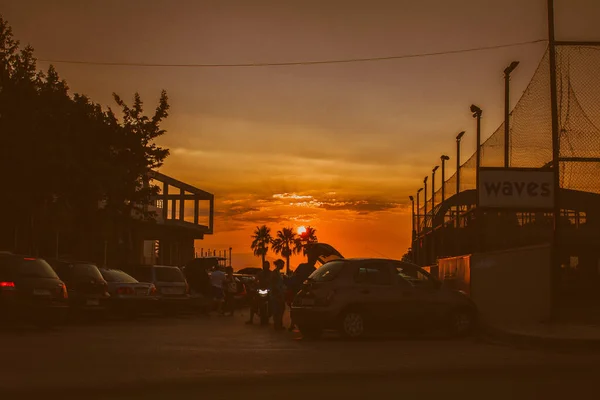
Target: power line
pixel 293 63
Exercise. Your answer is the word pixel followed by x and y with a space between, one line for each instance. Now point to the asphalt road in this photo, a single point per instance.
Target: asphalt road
pixel 221 357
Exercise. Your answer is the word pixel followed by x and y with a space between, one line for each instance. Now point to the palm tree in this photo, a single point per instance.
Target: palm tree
pixel 308 237
pixel 286 243
pixel 260 241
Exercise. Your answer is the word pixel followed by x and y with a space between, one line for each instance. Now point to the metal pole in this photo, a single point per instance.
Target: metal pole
pixel 425 200
pixel 230 257
pixel 412 200
pixel 458 138
pixel 425 240
pixel 433 238
pixel 418 227
pixel 479 214
pixel 507 73
pixel 444 159
pixel 433 190
pixel 555 264
pixel 506 118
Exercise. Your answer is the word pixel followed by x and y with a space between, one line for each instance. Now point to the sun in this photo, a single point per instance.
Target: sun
pixel 301 230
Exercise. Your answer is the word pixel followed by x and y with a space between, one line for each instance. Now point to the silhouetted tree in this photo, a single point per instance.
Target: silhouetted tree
pixel 261 239
pixel 60 155
pixel 286 243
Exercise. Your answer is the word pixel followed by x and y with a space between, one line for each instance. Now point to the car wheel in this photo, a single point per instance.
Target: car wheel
pixel 310 332
pixel 353 324
pixel 462 322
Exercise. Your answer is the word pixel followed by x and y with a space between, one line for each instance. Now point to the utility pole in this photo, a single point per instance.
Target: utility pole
pixel 555 263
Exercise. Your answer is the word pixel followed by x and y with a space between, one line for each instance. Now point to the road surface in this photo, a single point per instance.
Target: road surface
pixel 221 357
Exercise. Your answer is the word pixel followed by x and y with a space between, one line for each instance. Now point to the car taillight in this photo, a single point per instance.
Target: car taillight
pixel 125 290
pixel 7 285
pixel 153 290
pixel 65 293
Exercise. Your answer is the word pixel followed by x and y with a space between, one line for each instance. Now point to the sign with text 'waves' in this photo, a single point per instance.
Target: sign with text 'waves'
pixel 516 188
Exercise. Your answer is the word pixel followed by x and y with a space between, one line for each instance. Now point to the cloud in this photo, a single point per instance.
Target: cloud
pixel 360 206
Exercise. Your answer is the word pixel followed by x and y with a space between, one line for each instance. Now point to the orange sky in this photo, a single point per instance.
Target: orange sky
pixel 338 147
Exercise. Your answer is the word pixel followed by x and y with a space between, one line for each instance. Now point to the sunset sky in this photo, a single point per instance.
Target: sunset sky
pixel 339 147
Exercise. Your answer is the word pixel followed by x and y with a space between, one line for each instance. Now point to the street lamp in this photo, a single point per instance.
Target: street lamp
pixel 412 200
pixel 477 115
pixel 418 210
pixel 444 158
pixel 433 189
pixel 458 138
pixel 425 202
pixel 507 73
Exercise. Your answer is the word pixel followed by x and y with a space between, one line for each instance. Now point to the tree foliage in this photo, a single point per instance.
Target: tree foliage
pixel 261 239
pixel 287 243
pixel 62 154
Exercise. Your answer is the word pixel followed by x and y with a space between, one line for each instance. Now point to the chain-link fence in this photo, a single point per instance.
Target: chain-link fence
pixel 530 140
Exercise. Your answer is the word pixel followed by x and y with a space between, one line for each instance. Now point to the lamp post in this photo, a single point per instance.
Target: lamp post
pixel 477 115
pixel 458 138
pixel 444 158
pixel 412 200
pixel 432 247
pixel 479 215
pixel 414 234
pixel 507 71
pixel 418 210
pixel 433 189
pixel 417 249
pixel 425 200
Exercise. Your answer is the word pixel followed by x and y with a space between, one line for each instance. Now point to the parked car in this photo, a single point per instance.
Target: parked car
pixel 128 296
pixel 172 289
pixel 31 290
pixel 355 296
pixel 87 288
pixel 249 271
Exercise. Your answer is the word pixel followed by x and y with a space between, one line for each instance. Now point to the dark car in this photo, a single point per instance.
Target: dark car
pixel 355 296
pixel 31 290
pixel 249 271
pixel 128 296
pixel 88 290
pixel 172 289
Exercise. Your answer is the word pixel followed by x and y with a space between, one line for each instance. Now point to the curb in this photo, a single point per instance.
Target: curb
pixel 497 335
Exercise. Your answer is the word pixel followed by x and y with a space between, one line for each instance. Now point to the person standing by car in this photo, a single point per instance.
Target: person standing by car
pixel 217 281
pixel 263 281
pixel 231 289
pixel 277 295
pixel 295 282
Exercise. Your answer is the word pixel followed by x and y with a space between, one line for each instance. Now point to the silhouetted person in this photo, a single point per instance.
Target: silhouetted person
pixel 277 295
pixel 230 291
pixel 301 274
pixel 263 281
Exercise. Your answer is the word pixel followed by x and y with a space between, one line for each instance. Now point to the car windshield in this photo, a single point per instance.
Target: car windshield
pixel 169 275
pixel 30 267
pixel 115 275
pixel 327 272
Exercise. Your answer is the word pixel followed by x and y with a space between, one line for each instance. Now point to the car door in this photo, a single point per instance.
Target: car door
pixel 419 300
pixel 375 291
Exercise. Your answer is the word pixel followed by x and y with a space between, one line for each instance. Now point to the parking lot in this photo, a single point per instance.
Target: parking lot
pixel 152 356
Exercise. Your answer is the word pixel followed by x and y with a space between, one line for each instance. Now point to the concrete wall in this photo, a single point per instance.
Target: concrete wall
pixel 512 287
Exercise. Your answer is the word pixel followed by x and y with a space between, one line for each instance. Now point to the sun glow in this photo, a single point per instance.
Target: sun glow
pixel 301 230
